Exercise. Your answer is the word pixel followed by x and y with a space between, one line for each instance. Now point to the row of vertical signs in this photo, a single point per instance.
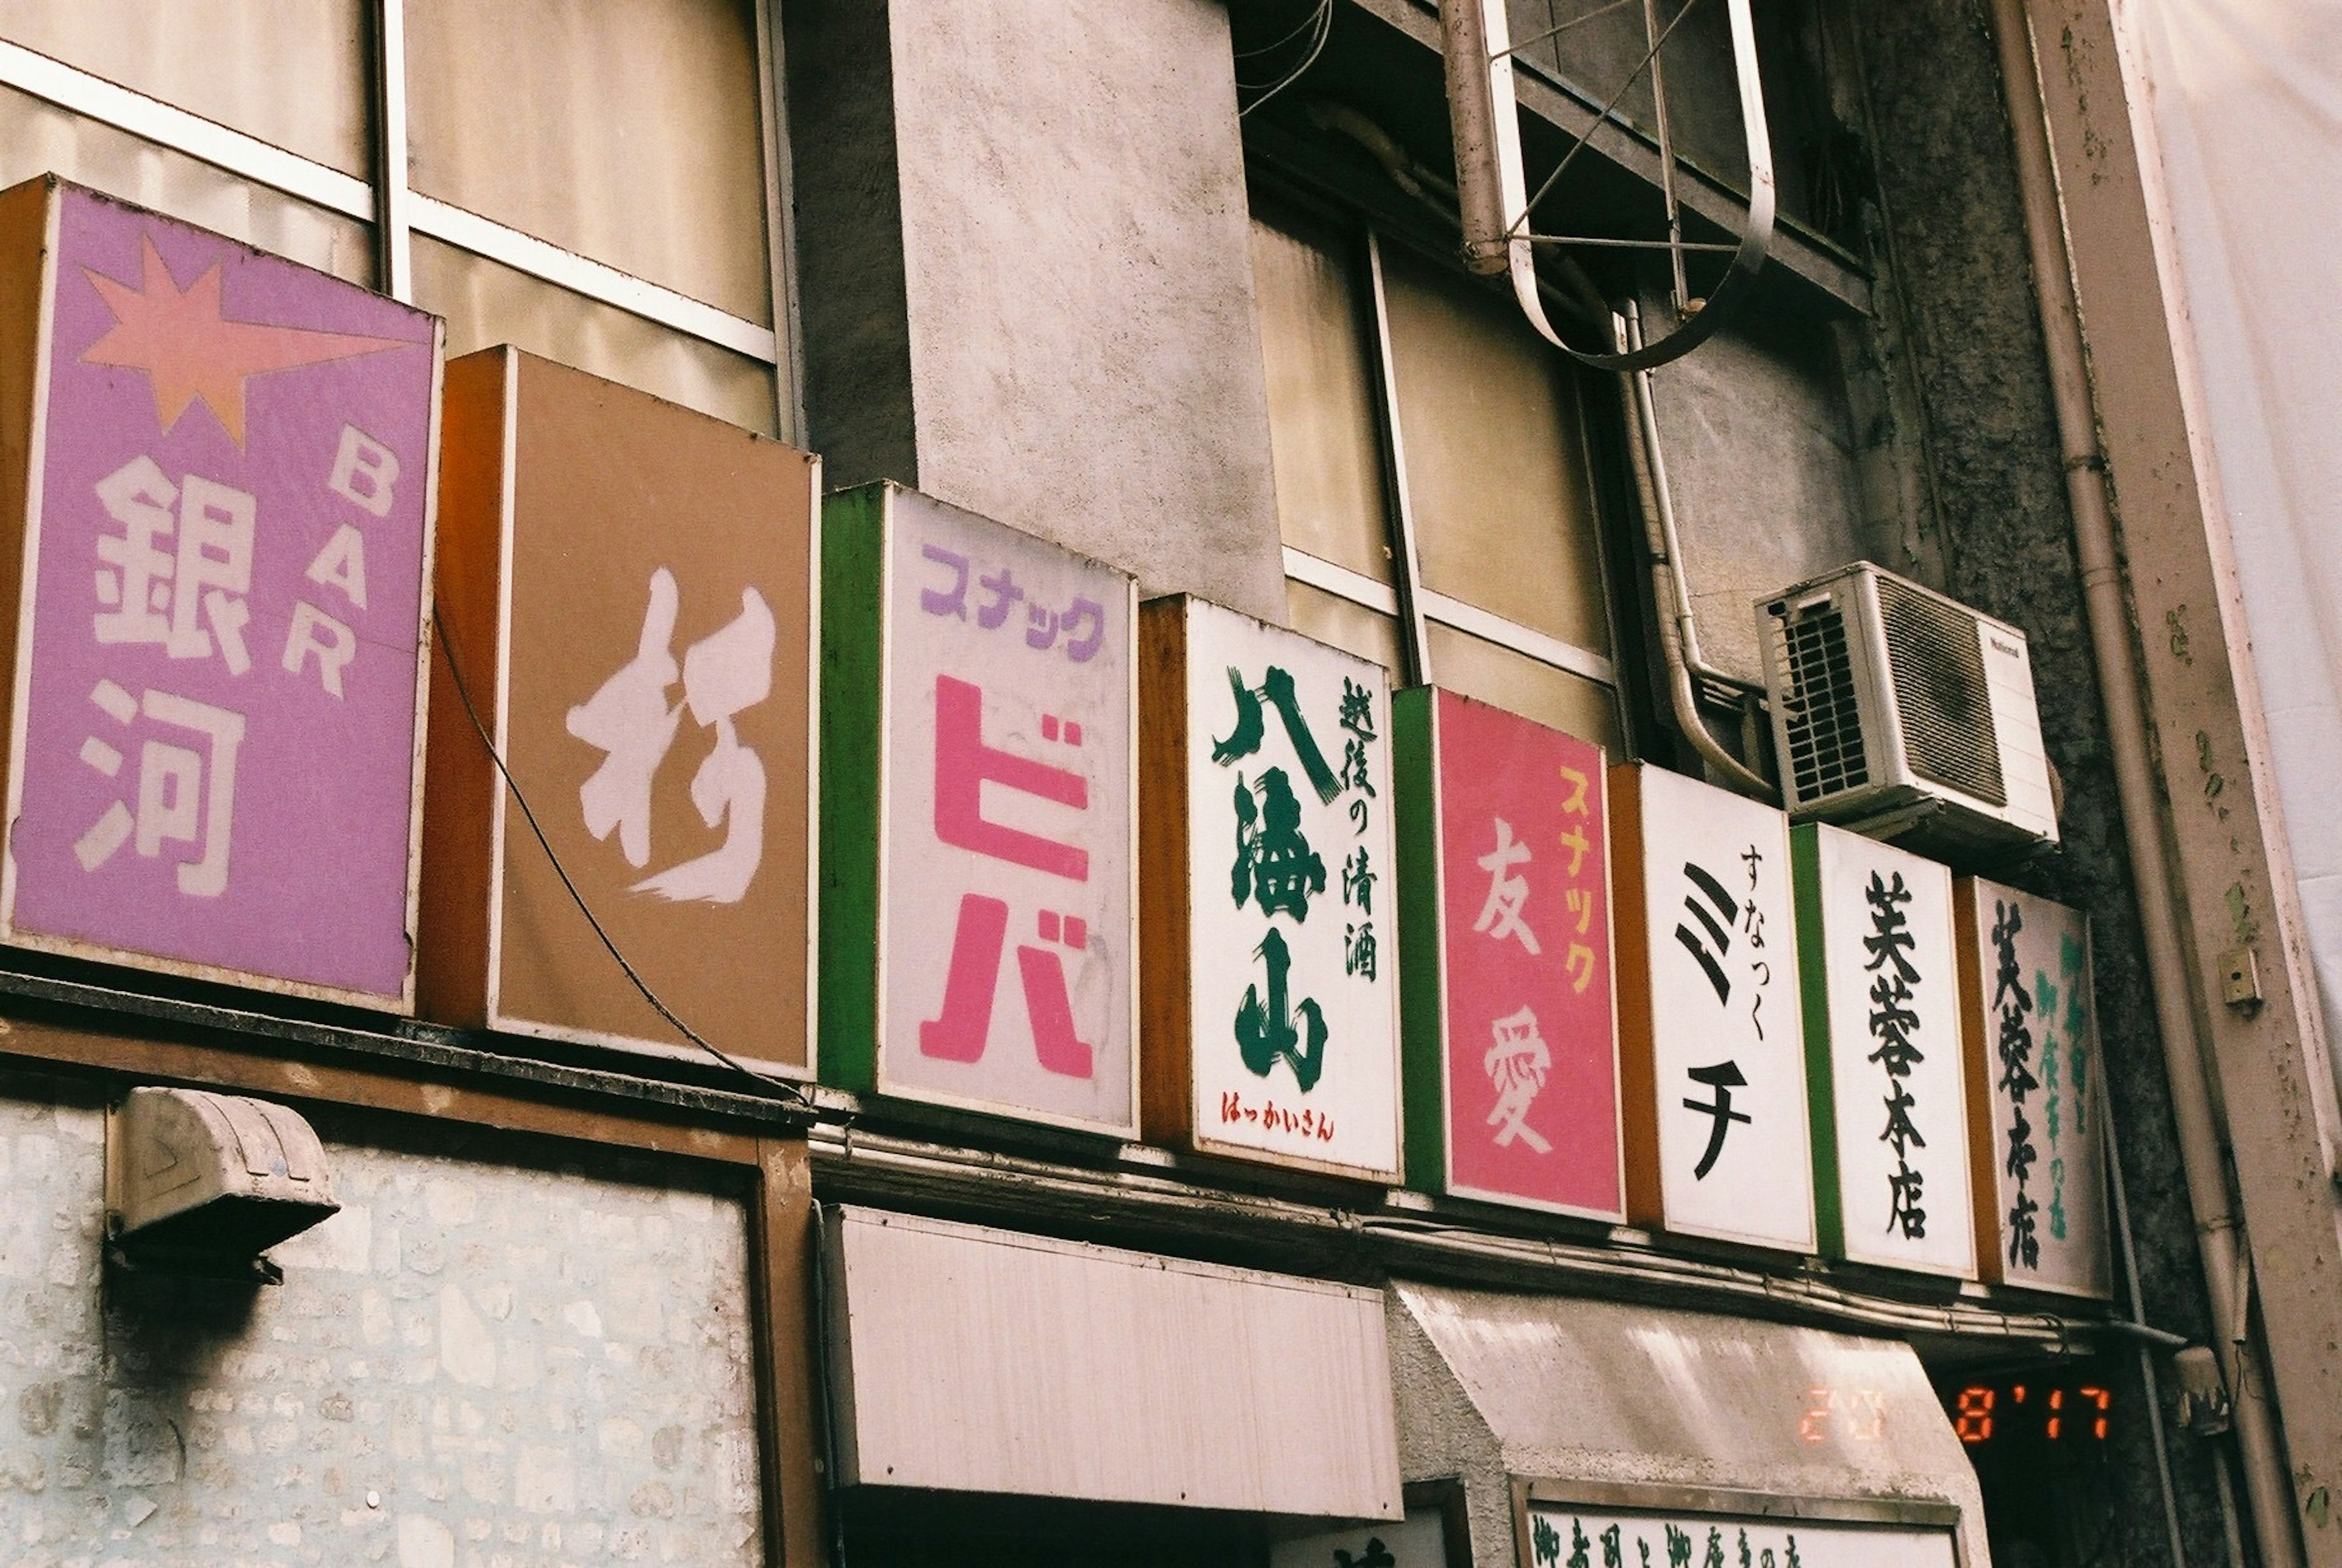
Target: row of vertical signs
pixel 1019 843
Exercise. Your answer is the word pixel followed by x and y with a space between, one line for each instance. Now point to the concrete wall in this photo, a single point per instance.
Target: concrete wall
pixel 472 1364
pixel 1963 284
pixel 1022 250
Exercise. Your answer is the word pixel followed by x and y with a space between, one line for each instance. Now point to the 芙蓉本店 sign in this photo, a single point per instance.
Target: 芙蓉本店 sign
pixel 222 534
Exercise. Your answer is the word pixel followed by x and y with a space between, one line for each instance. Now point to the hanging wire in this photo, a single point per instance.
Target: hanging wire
pixel 796 1092
pixel 1323 20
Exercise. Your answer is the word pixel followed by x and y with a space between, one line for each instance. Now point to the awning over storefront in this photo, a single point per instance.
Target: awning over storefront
pixel 968 1359
pixel 1636 1407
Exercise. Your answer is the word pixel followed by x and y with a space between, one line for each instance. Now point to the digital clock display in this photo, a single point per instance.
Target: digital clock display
pixel 2023 1410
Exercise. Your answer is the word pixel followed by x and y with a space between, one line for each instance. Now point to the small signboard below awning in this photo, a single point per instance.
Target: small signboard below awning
pixel 1617 1427
pixel 968 1359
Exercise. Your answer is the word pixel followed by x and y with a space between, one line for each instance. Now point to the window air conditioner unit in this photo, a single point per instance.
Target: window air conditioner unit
pixel 1904 714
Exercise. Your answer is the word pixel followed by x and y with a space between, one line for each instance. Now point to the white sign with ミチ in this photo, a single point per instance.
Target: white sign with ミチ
pixel 1876 924
pixel 1293 971
pixel 1728 1040
pixel 1561 1536
pixel 2034 1014
pixel 1008 937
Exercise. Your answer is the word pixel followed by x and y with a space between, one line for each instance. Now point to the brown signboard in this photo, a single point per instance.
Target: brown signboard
pixel 625 594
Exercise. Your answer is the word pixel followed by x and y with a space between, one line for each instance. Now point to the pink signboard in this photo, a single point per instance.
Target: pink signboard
pixel 213 763
pixel 1526 1103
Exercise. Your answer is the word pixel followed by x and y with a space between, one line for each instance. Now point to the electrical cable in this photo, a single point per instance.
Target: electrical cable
pixel 1306 22
pixel 795 1092
pixel 1325 18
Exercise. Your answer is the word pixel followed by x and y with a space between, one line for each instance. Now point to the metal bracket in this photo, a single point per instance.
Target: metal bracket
pixel 1492 186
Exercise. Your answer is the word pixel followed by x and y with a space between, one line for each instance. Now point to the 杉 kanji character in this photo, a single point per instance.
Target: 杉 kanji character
pixel 1358 881
pixel 965 764
pixel 1040 626
pixel 207 575
pixel 1508 891
pixel 1081 648
pixel 1277 690
pixel 945 601
pixel 1710 953
pixel 1579 1545
pixel 1891 940
pixel 960 1033
pixel 1724 1077
pixel 1274 861
pixel 1580 902
pixel 724 674
pixel 1578 965
pixel 1002 586
pixel 1574 803
pixel 1267 1030
pixel 183 793
pixel 1517 1063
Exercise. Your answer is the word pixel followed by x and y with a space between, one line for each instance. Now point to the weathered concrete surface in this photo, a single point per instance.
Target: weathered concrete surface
pixel 1960 266
pixel 470 1363
pixel 1023 254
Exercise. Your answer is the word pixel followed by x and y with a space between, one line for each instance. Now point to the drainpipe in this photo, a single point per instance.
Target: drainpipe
pixel 2217 1227
pixel 1679 631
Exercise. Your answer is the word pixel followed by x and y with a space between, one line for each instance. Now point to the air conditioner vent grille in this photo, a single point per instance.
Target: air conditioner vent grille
pixel 1936 660
pixel 1824 720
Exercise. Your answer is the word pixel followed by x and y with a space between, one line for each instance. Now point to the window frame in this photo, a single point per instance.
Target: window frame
pixel 396 213
pixel 1372 226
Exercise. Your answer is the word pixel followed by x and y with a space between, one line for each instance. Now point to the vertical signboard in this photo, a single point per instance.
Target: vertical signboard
pixel 219 464
pixel 2036 1100
pixel 626 598
pixel 980 820
pixel 1875 939
pixel 1270 983
pixel 1504 893
pixel 1712 1054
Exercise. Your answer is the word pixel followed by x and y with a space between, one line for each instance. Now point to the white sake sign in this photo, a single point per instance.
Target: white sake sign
pixel 1882 978
pixel 1293 971
pixel 1727 1041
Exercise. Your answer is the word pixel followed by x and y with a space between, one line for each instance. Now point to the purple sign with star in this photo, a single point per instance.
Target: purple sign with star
pixel 214 767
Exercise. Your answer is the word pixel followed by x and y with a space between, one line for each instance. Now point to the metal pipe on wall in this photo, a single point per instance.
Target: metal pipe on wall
pixel 2217 1225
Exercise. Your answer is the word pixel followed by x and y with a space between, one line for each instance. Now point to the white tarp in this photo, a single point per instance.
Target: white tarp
pixel 2244 99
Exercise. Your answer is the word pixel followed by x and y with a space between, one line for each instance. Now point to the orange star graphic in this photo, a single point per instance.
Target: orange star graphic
pixel 188 350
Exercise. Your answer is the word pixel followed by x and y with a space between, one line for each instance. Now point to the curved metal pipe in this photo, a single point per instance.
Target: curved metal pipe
pixel 1670 595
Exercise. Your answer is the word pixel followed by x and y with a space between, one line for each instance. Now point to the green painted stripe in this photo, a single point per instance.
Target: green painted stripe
pixel 1422 1058
pixel 1829 1213
pixel 853 622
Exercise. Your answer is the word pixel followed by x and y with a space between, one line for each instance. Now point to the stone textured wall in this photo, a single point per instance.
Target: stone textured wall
pixel 473 1363
pixel 1957 234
